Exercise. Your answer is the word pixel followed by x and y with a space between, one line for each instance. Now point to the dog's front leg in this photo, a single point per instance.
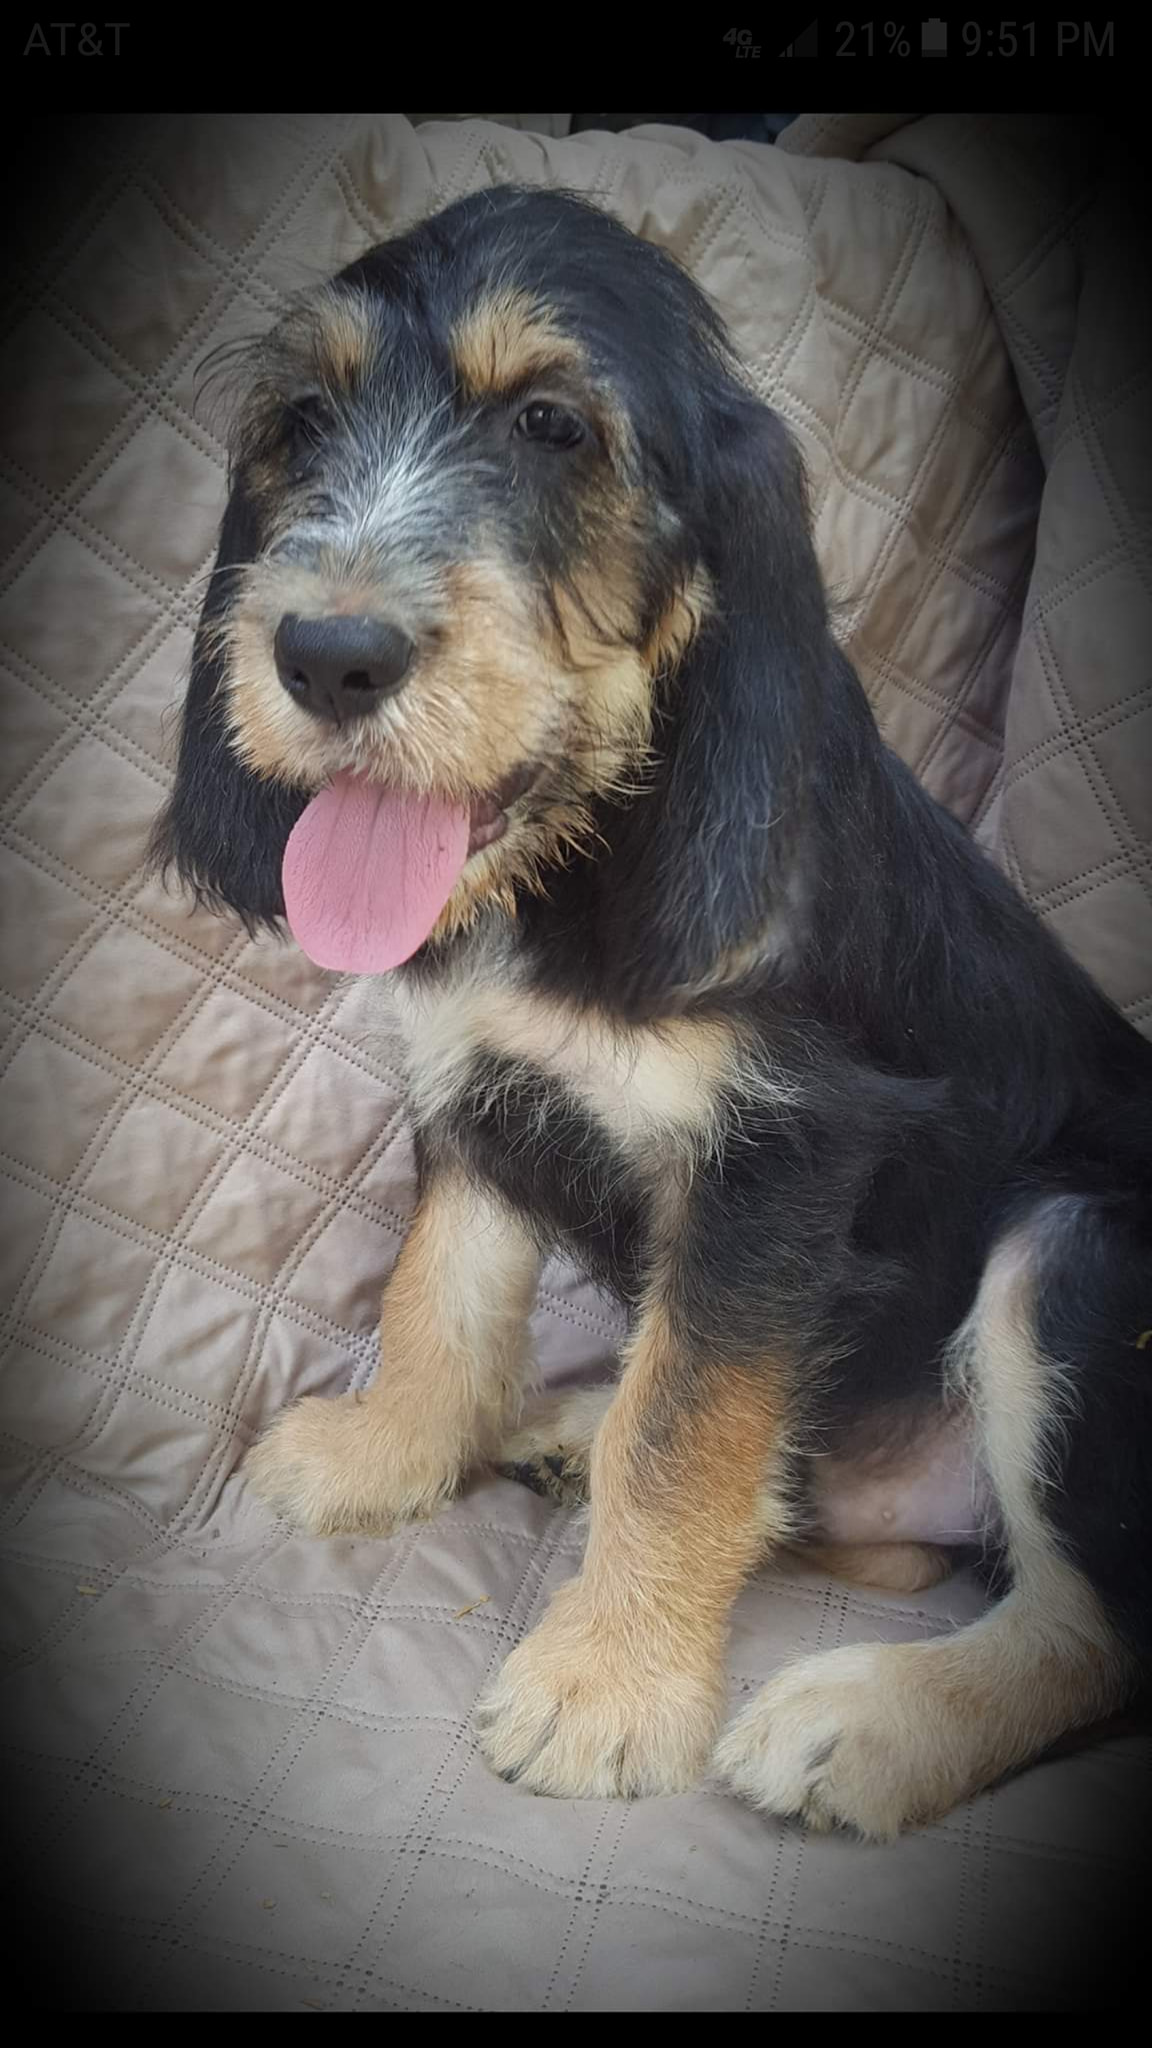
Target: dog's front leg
pixel 453 1350
pixel 620 1688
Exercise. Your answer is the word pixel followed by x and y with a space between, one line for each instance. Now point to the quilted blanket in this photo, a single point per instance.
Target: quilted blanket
pixel 240 1768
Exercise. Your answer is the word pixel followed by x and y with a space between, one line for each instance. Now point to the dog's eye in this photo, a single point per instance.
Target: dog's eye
pixel 551 425
pixel 307 423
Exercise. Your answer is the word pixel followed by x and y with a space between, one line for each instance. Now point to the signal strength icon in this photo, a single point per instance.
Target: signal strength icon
pixel 805 45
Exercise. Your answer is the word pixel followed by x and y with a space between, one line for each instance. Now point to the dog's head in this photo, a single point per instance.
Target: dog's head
pixel 508 533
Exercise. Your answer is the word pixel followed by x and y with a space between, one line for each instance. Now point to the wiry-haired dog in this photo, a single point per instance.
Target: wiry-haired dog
pixel 515 674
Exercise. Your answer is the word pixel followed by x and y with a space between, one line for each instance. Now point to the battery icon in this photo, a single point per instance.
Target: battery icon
pixel 934 38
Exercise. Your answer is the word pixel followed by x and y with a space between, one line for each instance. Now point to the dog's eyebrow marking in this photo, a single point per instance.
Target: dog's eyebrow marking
pixel 345 336
pixel 506 340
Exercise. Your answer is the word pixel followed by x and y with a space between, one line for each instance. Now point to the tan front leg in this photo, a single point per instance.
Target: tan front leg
pixel 620 1688
pixel 551 1453
pixel 453 1352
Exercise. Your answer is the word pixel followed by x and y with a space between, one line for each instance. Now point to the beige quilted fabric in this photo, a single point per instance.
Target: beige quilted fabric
pixel 244 1776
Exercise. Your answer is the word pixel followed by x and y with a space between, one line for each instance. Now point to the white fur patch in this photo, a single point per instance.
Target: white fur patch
pixel 656 1091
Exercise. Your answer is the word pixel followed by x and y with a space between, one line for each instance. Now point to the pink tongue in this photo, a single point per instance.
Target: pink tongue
pixel 367 872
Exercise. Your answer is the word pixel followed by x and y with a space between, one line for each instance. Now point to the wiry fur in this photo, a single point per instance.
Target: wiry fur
pixel 733 1011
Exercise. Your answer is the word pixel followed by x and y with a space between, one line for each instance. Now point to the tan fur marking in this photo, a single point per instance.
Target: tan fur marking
pixel 892 1567
pixel 676 631
pixel 620 1687
pixel 454 1350
pixel 508 339
pixel 345 337
pixel 684 1466
pixel 267 728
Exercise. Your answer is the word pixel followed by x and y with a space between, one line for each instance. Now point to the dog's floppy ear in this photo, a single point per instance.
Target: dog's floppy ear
pixel 704 859
pixel 224 829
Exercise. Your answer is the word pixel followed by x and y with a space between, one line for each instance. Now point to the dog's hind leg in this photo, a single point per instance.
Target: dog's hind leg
pixel 454 1344
pixel 876 1737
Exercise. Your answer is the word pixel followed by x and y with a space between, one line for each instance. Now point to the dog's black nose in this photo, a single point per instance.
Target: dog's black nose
pixel 339 668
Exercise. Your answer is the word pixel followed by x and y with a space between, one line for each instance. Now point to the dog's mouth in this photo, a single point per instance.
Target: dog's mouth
pixel 368 870
pixel 489 813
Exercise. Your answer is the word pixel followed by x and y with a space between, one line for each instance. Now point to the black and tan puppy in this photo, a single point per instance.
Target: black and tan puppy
pixel 515 676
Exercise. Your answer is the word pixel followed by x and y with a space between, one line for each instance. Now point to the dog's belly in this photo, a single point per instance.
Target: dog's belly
pixel 930 1490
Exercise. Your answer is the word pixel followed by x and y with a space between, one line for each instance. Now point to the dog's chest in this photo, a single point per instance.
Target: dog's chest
pixel 583 1125
pixel 650 1094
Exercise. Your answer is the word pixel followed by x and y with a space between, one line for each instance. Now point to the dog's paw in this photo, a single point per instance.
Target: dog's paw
pixel 551 1453
pixel 890 1567
pixel 549 1474
pixel 333 1467
pixel 573 1714
pixel 852 1739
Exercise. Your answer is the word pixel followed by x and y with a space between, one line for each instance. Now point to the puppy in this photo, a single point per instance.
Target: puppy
pixel 515 680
